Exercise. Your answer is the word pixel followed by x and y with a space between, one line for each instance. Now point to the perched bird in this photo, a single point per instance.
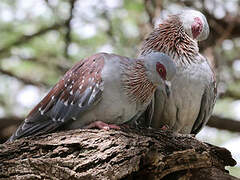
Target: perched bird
pixel 104 87
pixel 193 88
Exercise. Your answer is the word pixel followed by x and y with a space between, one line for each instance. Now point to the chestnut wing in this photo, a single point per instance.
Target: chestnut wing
pixel 79 89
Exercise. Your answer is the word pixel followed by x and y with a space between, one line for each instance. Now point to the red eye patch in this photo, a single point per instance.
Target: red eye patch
pixel 197 27
pixel 161 70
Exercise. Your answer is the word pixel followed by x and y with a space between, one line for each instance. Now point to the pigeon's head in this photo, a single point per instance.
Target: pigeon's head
pixel 160 69
pixel 195 24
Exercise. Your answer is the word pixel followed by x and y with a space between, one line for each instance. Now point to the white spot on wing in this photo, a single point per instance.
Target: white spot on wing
pixel 66 103
pixel 74 118
pixel 71 92
pixel 52 97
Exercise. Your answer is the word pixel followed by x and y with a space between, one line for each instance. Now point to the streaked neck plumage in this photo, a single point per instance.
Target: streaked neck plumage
pixel 135 81
pixel 170 38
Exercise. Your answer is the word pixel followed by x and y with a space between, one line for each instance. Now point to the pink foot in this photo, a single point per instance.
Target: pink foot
pixel 102 125
pixel 164 127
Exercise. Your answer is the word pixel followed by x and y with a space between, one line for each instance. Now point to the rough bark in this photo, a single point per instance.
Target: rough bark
pixel 128 154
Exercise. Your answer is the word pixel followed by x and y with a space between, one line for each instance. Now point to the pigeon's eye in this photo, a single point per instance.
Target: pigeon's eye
pixel 161 70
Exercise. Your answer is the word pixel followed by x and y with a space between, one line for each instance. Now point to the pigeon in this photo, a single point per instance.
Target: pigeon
pixel 193 90
pixel 102 91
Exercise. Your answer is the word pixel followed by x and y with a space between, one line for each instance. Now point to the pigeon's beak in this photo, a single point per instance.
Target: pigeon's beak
pixel 167 87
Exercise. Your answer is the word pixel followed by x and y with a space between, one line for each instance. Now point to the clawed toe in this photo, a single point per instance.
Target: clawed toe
pixel 164 127
pixel 101 125
pixel 185 135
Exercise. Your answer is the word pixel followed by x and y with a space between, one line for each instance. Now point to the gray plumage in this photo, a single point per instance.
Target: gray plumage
pixel 104 87
pixel 193 90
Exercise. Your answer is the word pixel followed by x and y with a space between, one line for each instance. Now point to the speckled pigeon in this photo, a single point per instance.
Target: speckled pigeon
pixel 104 88
pixel 193 95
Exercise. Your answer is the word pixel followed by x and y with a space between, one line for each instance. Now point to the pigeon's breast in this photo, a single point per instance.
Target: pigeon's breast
pixel 114 106
pixel 182 108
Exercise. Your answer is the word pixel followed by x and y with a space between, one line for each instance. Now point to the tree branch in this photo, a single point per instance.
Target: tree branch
pixel 95 154
pixel 230 94
pixel 230 30
pixel 62 65
pixel 224 123
pixel 149 8
pixel 110 30
pixel 68 27
pixel 25 38
pixel 24 80
pixel 7 125
pixel 10 121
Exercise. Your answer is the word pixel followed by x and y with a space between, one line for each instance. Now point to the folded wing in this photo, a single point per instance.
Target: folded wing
pixel 79 89
pixel 207 104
